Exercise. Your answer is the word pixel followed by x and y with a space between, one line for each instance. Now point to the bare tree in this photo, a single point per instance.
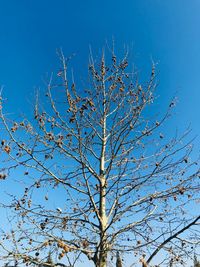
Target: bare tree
pixel 99 176
pixel 118 261
pixel 196 262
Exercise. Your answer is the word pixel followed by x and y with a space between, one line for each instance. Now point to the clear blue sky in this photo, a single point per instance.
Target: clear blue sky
pixel 167 31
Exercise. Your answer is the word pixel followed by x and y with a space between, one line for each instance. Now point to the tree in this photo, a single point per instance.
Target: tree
pixel 118 261
pixel 196 262
pixel 100 156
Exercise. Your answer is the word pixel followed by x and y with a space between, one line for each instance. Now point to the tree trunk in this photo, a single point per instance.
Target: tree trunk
pixel 103 225
pixel 102 196
pixel 103 259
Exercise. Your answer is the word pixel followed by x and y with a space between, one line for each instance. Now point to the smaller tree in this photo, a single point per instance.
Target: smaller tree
pixel 196 262
pixel 119 261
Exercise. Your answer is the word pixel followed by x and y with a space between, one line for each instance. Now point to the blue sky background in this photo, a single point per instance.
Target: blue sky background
pixel 166 31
